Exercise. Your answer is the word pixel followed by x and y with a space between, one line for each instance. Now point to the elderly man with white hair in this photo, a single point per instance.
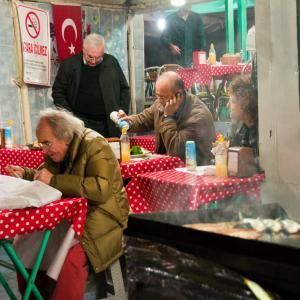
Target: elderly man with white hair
pixel 80 163
pixel 92 84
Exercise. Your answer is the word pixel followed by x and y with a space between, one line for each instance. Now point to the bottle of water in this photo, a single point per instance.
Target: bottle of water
pixel 8 134
pixel 121 123
pixel 125 146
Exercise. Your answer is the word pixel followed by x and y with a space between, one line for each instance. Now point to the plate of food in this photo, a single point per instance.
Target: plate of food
pixel 138 152
pixel 35 146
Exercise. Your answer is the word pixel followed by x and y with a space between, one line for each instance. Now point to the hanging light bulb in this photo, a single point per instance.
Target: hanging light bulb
pixel 177 2
pixel 161 24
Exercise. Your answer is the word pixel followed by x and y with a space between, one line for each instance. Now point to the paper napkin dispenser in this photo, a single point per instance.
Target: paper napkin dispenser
pixel 241 162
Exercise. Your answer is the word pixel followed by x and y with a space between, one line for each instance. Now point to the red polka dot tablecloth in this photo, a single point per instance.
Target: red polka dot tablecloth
pixel 17 157
pixel 145 141
pixel 204 74
pixel 27 220
pixel 133 168
pixel 172 190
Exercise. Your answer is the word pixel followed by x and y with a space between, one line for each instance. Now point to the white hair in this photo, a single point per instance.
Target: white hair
pixel 63 123
pixel 94 39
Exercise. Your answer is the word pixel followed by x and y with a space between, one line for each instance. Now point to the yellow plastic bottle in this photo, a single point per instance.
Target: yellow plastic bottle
pixel 221 157
pixel 125 146
pixel 212 58
pixel 221 165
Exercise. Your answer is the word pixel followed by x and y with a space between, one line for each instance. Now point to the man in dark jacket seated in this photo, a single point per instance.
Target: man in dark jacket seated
pixel 92 85
pixel 80 163
pixel 176 117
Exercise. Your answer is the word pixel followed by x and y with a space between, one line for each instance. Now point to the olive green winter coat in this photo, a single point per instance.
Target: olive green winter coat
pixel 92 171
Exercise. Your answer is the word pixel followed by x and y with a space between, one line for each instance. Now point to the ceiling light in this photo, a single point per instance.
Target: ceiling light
pixel 161 24
pixel 177 2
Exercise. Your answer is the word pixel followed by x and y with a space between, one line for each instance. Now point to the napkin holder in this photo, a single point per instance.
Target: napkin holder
pixel 241 162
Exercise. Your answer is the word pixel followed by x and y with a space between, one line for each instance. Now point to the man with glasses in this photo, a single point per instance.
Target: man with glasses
pixel 176 117
pixel 92 84
pixel 80 163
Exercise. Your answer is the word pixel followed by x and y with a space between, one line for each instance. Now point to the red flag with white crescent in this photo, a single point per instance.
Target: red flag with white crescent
pixel 68 29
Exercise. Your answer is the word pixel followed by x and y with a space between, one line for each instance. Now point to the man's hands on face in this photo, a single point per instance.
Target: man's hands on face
pixel 43 175
pixel 172 105
pixel 175 50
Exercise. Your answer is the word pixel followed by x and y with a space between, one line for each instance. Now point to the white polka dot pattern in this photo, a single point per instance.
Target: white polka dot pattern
pixel 172 190
pixel 145 141
pixel 27 220
pixel 204 74
pixel 133 168
pixel 18 157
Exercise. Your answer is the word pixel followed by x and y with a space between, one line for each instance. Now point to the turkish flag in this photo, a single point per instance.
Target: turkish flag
pixel 68 29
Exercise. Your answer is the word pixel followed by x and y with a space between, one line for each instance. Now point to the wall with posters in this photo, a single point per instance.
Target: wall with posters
pixel 109 22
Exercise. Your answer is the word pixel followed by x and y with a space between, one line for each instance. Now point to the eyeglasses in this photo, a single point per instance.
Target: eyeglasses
pixel 162 98
pixel 92 58
pixel 46 145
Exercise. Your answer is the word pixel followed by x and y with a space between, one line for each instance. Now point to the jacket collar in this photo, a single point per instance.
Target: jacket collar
pixel 73 149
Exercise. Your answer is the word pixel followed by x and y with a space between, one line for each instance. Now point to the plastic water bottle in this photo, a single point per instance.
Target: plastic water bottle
pixel 121 123
pixel 212 58
pixel 8 134
pixel 125 146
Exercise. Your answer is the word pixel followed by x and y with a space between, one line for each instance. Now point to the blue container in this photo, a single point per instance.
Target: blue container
pixel 190 156
pixel 8 137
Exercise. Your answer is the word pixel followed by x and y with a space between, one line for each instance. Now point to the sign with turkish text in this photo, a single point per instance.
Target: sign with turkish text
pixel 68 29
pixel 35 39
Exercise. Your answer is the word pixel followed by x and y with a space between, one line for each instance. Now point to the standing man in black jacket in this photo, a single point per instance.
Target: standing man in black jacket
pixel 92 84
pixel 183 35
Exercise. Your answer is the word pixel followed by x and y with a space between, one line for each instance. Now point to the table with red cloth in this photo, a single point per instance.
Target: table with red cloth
pixel 30 219
pixel 33 219
pixel 33 158
pixel 204 74
pixel 145 141
pixel 19 157
pixel 173 190
pixel 134 168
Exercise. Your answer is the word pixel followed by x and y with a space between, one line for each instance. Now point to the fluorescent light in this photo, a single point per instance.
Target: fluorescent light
pixel 177 2
pixel 161 24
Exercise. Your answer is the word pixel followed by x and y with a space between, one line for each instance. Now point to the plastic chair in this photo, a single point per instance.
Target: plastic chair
pixel 168 67
pixel 107 285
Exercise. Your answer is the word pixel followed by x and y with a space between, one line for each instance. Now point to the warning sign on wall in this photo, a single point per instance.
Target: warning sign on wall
pixel 35 36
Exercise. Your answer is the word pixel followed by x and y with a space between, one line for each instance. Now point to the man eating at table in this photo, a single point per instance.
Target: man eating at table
pixel 176 117
pixel 80 163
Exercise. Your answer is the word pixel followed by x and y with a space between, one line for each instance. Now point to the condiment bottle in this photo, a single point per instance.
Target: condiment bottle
pixel 212 58
pixel 121 123
pixel 2 139
pixel 125 147
pixel 221 157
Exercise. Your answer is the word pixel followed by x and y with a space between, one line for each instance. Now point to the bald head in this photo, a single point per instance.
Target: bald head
pixel 170 80
pixel 167 85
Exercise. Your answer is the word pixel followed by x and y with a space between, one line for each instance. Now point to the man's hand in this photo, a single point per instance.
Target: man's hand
pixel 44 176
pixel 172 105
pixel 122 115
pixel 175 50
pixel 14 171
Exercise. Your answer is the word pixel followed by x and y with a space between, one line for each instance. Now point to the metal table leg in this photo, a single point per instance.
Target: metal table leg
pixel 31 287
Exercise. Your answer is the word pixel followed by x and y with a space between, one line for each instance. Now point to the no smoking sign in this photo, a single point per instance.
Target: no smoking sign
pixel 32 24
